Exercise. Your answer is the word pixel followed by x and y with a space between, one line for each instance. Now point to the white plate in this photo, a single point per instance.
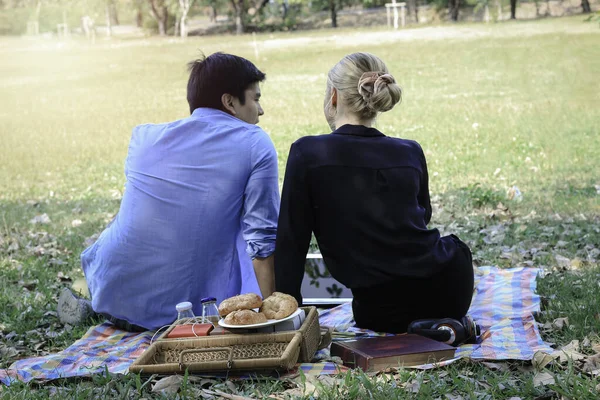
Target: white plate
pixel 268 323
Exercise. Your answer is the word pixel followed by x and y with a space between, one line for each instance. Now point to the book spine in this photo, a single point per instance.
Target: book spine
pixel 354 359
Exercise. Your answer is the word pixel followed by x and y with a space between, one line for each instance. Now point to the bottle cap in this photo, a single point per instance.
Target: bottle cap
pixel 183 306
pixel 206 299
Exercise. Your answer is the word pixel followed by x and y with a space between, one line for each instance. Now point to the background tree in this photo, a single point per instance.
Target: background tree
pixel 213 7
pixel 453 8
pixel 412 9
pixel 139 12
pixel 513 9
pixel 184 9
pixel 585 5
pixel 485 5
pixel 159 10
pixel 112 12
pixel 239 10
pixel 334 6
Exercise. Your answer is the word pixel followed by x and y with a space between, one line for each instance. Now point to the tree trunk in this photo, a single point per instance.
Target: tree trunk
pixel 486 13
pixel 260 5
pixel 410 7
pixel 33 27
pixel 416 11
pixel 183 26
pixel 499 5
pixel 162 25
pixel 114 16
pixel 333 11
pixel 158 10
pixel 453 8
pixel 177 27
pixel 139 15
pixel 238 6
pixel 585 5
pixel 284 12
pixel 513 9
pixel 108 22
pixel 185 9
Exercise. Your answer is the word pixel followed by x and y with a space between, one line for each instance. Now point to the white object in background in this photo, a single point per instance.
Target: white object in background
pixel 292 324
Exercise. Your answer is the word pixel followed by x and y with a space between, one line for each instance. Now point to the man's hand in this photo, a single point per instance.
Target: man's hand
pixel 264 269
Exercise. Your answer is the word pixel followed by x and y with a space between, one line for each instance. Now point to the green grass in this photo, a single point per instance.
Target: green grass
pixel 494 106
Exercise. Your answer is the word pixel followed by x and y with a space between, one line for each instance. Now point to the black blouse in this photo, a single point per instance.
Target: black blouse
pixel 366 198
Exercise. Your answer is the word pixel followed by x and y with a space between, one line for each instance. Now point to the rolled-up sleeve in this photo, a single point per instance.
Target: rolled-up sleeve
pixel 261 198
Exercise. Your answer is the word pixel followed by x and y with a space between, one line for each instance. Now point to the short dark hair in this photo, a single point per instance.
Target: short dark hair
pixel 217 74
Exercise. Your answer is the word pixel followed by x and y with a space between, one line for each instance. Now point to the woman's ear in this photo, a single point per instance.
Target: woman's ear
pixel 334 97
pixel 227 101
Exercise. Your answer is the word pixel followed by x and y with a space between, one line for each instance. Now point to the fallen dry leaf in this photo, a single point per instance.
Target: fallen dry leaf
pixel 413 386
pixel 541 359
pixel 586 342
pixel 286 394
pixel 226 395
pixel 329 380
pixel 592 365
pixel 231 386
pixel 543 378
pixel 168 385
pixel 560 323
pixel 8 352
pixel 570 352
pixel 40 219
pixel 495 366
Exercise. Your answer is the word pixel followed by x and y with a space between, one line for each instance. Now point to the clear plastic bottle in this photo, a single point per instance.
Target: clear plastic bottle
pixel 210 312
pixel 185 314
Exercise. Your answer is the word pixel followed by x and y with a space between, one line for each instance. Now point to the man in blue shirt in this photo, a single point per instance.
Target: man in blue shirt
pixel 199 213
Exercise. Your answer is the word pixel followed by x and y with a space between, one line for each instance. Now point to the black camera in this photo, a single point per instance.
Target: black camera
pixel 447 330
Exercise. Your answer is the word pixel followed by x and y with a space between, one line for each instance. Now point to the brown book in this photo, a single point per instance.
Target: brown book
pixel 375 354
pixel 190 331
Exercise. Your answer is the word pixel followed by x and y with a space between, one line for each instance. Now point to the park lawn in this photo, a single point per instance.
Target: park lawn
pixel 495 107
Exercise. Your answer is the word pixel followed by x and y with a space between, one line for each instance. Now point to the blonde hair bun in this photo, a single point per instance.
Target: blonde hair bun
pixel 364 84
pixel 379 90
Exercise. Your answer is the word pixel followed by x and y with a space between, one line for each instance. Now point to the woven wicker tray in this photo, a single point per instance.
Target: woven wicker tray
pixel 271 351
pixel 311 334
pixel 310 330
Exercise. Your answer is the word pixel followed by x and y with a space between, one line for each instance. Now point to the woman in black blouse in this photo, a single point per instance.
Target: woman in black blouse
pixel 366 198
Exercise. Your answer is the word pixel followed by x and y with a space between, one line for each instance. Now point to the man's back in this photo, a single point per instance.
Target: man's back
pixel 201 196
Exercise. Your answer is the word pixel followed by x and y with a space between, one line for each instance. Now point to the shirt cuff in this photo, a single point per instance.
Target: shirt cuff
pixel 260 249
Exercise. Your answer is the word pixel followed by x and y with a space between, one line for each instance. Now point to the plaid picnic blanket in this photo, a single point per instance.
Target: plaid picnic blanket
pixel 503 305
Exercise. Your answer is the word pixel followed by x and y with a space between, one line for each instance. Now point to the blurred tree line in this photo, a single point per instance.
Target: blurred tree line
pixel 171 17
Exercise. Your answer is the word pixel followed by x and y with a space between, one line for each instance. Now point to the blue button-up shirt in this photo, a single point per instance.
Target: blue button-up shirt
pixel 201 200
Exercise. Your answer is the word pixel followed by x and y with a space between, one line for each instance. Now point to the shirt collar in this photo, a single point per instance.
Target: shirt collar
pixel 357 130
pixel 210 112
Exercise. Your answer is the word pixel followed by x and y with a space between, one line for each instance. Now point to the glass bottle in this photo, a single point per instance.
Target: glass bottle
pixel 210 312
pixel 185 314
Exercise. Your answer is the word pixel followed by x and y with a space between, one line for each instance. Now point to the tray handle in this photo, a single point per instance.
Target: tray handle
pixel 189 351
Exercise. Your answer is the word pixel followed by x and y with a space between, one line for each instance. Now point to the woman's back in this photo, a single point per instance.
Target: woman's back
pixel 369 205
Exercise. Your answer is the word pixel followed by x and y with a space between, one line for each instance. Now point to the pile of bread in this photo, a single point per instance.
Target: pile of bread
pixel 239 310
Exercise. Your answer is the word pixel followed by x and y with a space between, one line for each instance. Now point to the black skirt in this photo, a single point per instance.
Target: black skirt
pixel 390 307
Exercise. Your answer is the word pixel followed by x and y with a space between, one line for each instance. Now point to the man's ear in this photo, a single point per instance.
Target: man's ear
pixel 334 97
pixel 227 101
